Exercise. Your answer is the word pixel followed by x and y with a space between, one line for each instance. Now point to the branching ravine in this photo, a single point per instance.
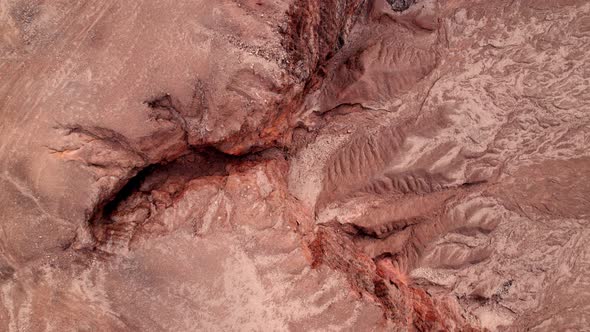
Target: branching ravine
pixel 362 166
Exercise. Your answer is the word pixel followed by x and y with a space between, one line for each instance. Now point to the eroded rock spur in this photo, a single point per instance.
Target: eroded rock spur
pixel 295 165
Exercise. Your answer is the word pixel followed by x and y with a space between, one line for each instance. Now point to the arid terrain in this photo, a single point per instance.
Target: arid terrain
pixel 295 165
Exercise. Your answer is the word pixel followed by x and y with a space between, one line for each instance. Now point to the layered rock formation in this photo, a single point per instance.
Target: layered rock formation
pixel 294 165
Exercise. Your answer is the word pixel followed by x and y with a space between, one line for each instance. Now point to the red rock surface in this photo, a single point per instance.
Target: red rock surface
pixel 295 165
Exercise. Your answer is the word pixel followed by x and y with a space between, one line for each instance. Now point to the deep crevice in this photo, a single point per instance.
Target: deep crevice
pixel 199 162
pixel 125 192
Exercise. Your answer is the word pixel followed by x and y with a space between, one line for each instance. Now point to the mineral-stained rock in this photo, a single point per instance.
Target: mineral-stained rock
pixel 235 165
